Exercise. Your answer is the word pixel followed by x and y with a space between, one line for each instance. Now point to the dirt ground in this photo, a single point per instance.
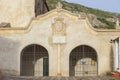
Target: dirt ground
pixel 60 78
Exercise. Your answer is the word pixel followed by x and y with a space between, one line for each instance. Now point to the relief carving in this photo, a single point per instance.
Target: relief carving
pixel 59 27
pixel 59 31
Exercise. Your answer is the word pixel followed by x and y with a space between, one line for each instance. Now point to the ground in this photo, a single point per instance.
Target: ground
pixel 61 78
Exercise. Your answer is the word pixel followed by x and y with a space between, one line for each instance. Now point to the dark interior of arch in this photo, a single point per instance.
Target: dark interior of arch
pixel 82 58
pixel 29 56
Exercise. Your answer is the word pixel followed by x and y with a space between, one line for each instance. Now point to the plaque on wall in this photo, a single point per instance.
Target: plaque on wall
pixel 59 39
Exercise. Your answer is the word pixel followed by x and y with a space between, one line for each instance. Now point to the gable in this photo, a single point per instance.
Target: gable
pixel 76 21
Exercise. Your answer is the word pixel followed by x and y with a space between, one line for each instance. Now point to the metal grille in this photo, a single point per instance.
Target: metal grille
pixel 83 61
pixel 32 61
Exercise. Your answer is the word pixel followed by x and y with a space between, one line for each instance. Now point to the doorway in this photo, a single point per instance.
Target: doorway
pixel 83 61
pixel 34 61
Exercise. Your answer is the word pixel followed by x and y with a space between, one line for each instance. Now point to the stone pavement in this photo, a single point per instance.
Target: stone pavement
pixel 60 78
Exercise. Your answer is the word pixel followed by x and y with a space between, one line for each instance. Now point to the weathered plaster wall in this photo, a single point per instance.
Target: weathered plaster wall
pixel 16 12
pixel 79 32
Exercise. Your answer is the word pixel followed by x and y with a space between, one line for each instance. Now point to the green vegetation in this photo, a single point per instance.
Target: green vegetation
pixel 110 25
pixel 52 3
pixel 77 7
pixel 80 8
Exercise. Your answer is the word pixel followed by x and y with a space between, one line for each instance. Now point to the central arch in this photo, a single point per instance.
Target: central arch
pixel 34 61
pixel 83 61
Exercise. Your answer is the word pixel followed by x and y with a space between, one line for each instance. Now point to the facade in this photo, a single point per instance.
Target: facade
pixel 56 43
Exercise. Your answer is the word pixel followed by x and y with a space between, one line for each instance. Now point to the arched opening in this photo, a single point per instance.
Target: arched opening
pixel 83 61
pixel 34 61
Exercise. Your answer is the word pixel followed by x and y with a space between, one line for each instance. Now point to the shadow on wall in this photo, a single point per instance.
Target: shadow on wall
pixel 1 76
pixel 9 50
pixel 111 58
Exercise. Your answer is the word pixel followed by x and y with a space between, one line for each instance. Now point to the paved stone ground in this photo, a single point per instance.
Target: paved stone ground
pixel 60 78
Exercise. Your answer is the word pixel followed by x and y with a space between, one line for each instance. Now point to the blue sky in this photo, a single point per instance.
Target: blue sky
pixel 106 5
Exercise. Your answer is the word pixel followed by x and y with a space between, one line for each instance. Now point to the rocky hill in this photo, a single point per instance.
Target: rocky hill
pixel 98 18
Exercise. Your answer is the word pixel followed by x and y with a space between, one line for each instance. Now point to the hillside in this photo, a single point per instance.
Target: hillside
pixel 98 18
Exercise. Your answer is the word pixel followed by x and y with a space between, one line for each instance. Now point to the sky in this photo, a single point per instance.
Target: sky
pixel 106 5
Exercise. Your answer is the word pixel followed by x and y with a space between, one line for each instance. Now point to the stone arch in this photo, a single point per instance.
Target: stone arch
pixel 83 61
pixel 34 61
